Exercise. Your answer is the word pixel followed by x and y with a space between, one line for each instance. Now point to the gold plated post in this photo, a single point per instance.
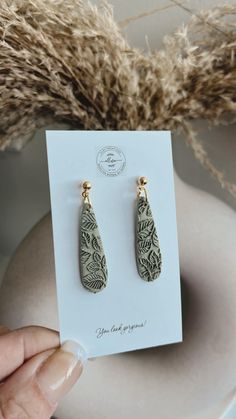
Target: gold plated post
pixel 85 194
pixel 142 181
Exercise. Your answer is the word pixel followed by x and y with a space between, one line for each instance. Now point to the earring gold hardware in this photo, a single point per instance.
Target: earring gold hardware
pixel 142 181
pixel 85 194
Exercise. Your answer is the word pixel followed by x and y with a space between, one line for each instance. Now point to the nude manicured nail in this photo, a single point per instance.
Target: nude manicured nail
pixel 76 349
pixel 60 371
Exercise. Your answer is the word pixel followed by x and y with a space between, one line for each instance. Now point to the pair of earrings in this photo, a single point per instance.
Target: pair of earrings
pixel 93 266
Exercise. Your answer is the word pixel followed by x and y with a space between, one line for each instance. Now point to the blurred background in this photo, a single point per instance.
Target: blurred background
pixel 24 188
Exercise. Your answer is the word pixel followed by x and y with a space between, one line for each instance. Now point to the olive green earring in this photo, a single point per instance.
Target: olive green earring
pixel 93 267
pixel 148 254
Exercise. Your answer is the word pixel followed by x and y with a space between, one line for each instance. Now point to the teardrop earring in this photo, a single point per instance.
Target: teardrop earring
pixel 93 267
pixel 148 254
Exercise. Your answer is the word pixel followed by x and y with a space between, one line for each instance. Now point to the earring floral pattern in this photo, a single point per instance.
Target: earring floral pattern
pixel 148 254
pixel 93 267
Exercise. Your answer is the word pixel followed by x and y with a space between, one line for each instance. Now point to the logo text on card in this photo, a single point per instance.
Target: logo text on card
pixel 111 161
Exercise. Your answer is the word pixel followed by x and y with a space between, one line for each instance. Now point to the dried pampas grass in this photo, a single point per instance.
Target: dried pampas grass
pixel 66 61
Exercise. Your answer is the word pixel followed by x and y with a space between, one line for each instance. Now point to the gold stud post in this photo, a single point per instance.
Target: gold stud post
pixel 85 194
pixel 87 185
pixel 142 181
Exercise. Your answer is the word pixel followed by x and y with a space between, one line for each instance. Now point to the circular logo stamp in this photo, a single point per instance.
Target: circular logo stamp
pixel 111 161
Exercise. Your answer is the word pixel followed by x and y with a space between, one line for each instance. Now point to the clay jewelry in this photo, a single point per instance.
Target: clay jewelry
pixel 93 267
pixel 148 254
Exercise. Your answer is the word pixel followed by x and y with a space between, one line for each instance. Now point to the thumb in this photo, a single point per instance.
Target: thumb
pixel 35 389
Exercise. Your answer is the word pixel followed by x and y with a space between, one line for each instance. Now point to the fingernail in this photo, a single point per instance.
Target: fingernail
pixel 60 371
pixel 76 349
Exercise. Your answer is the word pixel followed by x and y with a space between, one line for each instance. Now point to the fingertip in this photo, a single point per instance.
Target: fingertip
pixel 61 371
pixel 76 349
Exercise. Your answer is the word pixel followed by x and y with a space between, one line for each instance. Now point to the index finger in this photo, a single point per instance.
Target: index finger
pixel 21 344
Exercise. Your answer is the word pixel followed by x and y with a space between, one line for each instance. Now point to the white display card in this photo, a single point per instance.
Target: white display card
pixel 129 313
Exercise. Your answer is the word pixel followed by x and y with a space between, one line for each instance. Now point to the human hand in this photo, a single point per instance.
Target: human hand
pixel 35 373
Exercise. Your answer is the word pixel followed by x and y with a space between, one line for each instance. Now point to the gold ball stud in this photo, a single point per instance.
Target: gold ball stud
pixel 143 181
pixel 87 185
